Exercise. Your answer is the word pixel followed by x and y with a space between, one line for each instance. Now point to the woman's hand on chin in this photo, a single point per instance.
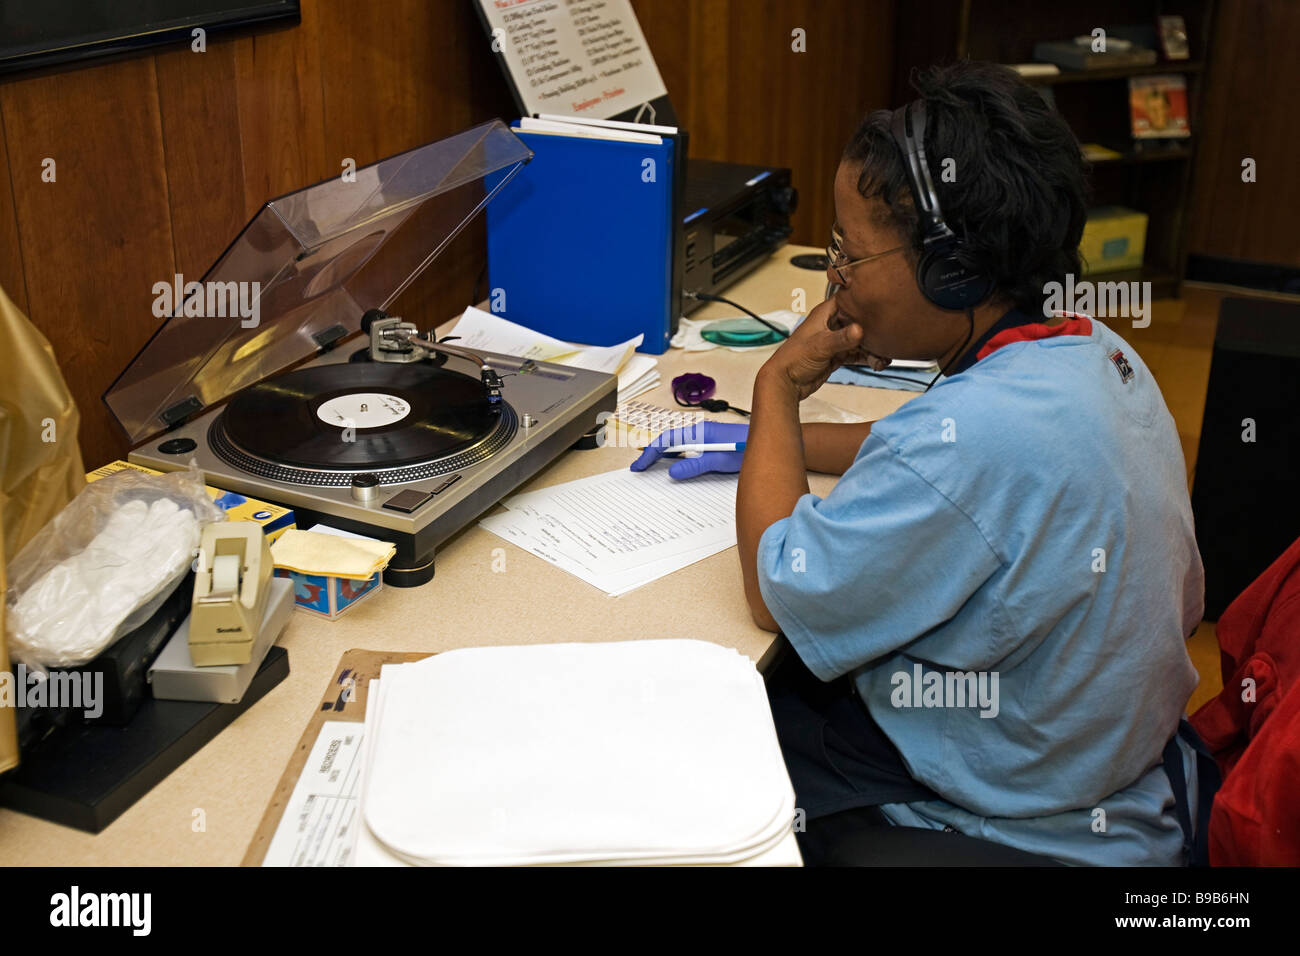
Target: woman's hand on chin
pixel 822 343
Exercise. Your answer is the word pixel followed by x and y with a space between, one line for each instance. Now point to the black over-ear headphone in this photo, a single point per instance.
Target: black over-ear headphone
pixel 939 273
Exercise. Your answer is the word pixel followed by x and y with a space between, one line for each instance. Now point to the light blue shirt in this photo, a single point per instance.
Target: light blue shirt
pixel 1027 520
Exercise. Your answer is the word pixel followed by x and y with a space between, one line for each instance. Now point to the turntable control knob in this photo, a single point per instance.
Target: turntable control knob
pixel 365 488
pixel 528 421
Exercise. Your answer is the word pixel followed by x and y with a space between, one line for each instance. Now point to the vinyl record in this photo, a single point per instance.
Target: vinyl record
pixel 359 415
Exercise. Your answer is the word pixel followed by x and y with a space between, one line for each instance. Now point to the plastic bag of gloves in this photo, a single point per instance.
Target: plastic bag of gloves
pixel 103 565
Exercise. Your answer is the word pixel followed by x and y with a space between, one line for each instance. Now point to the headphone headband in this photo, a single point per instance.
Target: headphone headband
pixel 940 274
pixel 908 127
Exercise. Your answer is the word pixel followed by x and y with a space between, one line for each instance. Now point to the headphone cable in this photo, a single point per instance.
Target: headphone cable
pixel 970 333
pixel 862 369
pixel 868 370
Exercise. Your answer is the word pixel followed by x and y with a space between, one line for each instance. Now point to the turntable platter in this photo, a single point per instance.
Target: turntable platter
pixel 356 417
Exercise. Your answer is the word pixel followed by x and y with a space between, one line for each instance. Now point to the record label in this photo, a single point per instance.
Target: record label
pixel 363 410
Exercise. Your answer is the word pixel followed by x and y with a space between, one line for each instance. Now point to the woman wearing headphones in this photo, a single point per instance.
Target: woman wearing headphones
pixel 988 612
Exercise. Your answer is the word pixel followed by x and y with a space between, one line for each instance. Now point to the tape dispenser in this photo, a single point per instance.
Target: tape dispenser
pixel 231 587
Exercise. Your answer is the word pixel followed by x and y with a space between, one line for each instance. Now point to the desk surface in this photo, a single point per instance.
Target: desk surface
pixel 466 604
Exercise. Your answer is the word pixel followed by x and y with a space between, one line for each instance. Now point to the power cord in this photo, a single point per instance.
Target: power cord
pixel 711 405
pixel 709 297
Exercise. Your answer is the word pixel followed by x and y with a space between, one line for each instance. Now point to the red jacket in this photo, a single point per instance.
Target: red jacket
pixel 1253 726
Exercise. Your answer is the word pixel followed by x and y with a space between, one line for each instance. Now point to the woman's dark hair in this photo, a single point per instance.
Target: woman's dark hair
pixel 1019 196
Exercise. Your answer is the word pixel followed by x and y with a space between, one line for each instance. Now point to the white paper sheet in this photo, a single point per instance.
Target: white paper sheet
pixel 581 59
pixel 368 851
pixel 559 128
pixel 319 824
pixel 490 756
pixel 491 333
pixel 621 529
pixel 638 376
pixel 525 533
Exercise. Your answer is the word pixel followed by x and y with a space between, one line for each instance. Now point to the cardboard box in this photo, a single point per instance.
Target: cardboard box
pixel 1114 238
pixel 274 519
pixel 326 595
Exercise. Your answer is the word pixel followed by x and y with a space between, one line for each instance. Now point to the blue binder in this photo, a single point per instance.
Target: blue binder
pixel 580 242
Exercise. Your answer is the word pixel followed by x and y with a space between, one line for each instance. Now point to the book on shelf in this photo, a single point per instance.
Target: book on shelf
pixel 1173 37
pixel 1035 69
pixel 1158 107
pixel 1069 55
pixel 1095 152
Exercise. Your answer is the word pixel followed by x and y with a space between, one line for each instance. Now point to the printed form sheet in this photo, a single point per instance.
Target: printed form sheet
pixel 586 58
pixel 623 529
pixel 319 824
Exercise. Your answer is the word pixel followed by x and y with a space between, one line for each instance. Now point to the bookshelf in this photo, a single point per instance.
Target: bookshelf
pixel 1153 177
pixel 1123 72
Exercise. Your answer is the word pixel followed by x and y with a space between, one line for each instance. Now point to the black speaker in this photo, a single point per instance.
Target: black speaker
pixel 1244 495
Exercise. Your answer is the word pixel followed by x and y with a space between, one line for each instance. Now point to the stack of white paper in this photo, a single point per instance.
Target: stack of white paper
pixel 558 127
pixel 482 330
pixel 622 529
pixel 641 752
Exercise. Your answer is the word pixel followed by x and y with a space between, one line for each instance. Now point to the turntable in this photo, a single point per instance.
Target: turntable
pixel 390 433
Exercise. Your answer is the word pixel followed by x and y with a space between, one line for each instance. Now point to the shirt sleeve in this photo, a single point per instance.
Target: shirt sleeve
pixel 882 560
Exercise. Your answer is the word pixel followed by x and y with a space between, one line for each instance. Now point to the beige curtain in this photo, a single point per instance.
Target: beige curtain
pixel 40 463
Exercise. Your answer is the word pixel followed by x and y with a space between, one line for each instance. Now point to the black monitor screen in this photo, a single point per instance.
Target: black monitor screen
pixel 36 33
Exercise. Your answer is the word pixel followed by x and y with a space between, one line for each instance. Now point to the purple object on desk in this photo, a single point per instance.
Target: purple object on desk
pixel 693 388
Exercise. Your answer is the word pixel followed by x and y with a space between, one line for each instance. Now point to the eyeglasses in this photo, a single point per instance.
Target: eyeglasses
pixel 839 262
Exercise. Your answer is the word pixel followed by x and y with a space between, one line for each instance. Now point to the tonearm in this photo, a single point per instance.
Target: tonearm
pixel 392 340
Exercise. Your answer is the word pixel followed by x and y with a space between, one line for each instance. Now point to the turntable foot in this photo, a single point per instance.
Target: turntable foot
pixel 396 577
pixel 590 438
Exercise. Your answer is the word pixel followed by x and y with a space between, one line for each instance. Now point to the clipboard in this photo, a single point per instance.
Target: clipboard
pixel 344 699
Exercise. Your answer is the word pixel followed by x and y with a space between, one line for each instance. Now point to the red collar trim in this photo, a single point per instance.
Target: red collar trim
pixel 1032 332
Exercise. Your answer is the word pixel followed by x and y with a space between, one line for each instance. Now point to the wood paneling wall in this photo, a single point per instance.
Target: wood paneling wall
pixel 162 157
pixel 745 95
pixel 1252 79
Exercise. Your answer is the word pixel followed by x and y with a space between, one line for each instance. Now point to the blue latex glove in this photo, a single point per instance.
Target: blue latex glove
pixel 702 434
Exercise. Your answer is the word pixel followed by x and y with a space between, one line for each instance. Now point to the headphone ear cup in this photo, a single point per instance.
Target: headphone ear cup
pixel 940 275
pixel 947 283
